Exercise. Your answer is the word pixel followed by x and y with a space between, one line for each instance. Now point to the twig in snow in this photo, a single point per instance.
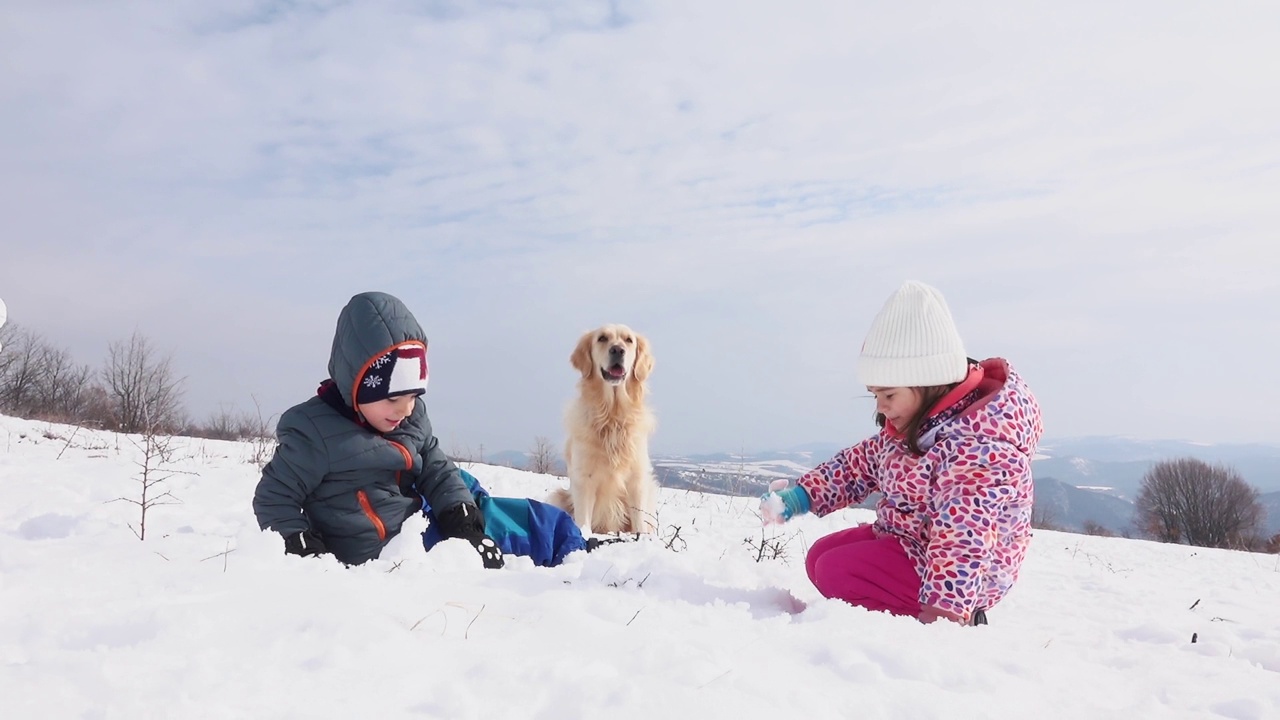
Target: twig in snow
pixel 68 443
pixel 424 617
pixel 726 672
pixel 466 632
pixel 222 555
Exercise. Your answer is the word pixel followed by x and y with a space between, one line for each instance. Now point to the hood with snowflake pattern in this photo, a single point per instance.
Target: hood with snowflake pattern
pixel 370 326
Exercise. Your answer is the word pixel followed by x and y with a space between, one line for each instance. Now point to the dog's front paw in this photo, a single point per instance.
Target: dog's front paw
pixel 596 542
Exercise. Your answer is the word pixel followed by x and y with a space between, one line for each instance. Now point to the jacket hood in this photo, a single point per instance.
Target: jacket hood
pixel 371 324
pixel 1006 410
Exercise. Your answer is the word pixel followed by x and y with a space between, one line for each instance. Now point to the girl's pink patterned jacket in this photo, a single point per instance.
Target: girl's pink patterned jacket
pixel 962 510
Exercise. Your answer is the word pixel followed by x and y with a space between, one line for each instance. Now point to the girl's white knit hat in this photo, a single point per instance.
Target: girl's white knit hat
pixel 913 342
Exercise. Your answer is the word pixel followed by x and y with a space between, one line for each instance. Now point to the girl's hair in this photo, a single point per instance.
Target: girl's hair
pixel 929 396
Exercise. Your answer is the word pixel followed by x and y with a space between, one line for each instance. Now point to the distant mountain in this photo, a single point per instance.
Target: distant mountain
pixel 507 458
pixel 1058 504
pixel 1121 478
pixel 1119 463
pixel 1122 449
pixel 1078 480
pixel 725 473
pixel 1271 503
pixel 1071 508
pixel 517 459
pixel 811 454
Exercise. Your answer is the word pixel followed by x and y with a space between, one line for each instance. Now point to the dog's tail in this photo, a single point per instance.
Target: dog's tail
pixel 561 498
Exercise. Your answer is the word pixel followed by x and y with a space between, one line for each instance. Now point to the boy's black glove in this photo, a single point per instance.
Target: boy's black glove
pixel 461 520
pixel 304 543
pixel 489 551
pixel 467 522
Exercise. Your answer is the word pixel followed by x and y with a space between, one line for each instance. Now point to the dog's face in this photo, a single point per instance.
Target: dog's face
pixel 613 353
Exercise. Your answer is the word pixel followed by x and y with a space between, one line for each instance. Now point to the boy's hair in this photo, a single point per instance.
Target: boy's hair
pixel 929 396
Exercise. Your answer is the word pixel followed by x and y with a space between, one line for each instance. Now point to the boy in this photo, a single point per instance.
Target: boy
pixel 354 462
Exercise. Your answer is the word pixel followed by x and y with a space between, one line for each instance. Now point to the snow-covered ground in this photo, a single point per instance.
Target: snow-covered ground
pixel 207 618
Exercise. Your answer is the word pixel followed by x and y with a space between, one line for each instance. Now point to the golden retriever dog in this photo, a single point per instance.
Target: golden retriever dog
pixel 611 483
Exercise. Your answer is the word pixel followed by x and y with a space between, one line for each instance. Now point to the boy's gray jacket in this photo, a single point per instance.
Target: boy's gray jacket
pixel 345 476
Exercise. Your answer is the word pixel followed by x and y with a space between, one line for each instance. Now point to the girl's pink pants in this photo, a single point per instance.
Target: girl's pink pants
pixel 873 572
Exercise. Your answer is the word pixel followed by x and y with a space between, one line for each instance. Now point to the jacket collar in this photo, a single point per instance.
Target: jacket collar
pixel 332 396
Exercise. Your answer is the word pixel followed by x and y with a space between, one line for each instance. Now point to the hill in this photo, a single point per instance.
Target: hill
pixel 1271 503
pixel 207 618
pixel 1119 463
pixel 1078 480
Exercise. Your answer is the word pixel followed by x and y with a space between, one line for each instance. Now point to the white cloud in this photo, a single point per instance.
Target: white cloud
pixel 707 172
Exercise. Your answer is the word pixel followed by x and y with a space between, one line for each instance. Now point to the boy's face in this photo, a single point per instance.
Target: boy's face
pixel 385 415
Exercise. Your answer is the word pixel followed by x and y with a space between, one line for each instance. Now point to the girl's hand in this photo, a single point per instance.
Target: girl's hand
pixel 781 503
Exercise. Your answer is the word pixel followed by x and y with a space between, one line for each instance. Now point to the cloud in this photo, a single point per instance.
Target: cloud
pixel 744 182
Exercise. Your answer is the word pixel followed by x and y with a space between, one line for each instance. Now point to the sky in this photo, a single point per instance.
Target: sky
pixel 208 618
pixel 1092 185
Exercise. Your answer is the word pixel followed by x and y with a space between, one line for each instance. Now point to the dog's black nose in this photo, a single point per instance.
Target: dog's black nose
pixel 617 350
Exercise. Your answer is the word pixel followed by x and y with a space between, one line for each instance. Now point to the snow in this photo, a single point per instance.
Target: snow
pixel 753 469
pixel 207 618
pixel 1082 465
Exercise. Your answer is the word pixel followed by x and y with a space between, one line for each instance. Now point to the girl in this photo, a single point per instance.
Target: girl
pixel 952 462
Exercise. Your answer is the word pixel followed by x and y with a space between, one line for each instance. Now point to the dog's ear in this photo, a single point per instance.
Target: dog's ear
pixel 644 359
pixel 581 357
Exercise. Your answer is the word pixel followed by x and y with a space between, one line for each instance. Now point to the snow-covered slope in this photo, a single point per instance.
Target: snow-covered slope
pixel 207 618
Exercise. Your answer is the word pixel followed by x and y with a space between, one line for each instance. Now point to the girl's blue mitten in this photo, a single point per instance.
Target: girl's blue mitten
pixel 781 503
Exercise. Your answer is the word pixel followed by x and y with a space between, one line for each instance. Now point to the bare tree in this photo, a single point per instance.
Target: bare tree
pixel 542 458
pixel 7 357
pixel 253 426
pixel 460 452
pixel 154 470
pixel 1045 517
pixel 38 380
pixel 6 330
pixel 142 385
pixel 221 425
pixel 20 368
pixel 63 389
pixel 1094 528
pixel 226 424
pixel 97 410
pixel 260 433
pixel 1190 501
